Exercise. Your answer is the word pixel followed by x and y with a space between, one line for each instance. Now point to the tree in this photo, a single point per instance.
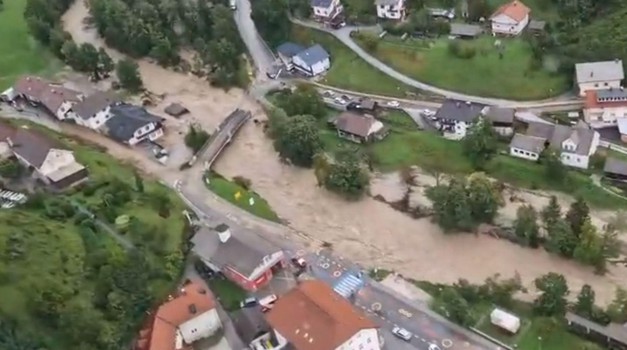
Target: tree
pixel 526 225
pixel 561 239
pixel 456 308
pixel 299 141
pixel 478 9
pixel 585 301
pixel 589 250
pixel 551 213
pixel 105 63
pixel 553 167
pixel 501 292
pixel 480 143
pixel 553 291
pixel 617 310
pixel 10 169
pixel 451 207
pixel 370 41
pixel 347 176
pixel 577 215
pixel 88 60
pixel 483 198
pixel 195 138
pixel 305 100
pixel 127 71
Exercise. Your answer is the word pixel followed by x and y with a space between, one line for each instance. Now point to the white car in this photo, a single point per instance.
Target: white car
pixel 393 104
pixel 433 347
pixel 428 112
pixel 403 333
pixel 340 101
pixel 267 302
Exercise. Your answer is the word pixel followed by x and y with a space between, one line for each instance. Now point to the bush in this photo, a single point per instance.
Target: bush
pixel 460 50
pixel 242 182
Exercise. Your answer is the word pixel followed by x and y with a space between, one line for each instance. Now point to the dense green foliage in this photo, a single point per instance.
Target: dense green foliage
pixel 305 100
pixel 296 138
pixel 347 174
pixel 128 74
pixel 196 138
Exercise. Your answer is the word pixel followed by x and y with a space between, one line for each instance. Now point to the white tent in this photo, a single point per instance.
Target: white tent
pixel 505 320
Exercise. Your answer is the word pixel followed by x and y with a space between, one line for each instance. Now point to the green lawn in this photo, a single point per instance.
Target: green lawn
pixel 19 52
pixel 349 71
pixel 228 293
pixel 241 197
pixel 484 75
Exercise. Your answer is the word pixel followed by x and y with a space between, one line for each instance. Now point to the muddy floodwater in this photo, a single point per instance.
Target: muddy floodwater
pixel 368 231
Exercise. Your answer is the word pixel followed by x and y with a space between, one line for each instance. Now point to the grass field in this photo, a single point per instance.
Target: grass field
pixel 228 293
pixel 19 52
pixel 241 197
pixel 485 74
pixel 349 71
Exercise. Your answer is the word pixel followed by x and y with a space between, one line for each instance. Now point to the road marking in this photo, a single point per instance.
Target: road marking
pixel 300 253
pixel 337 273
pixel 325 265
pixel 376 306
pixel 447 343
pixel 405 313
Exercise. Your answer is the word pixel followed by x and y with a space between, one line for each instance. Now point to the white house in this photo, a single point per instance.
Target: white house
pixel 93 111
pixel 326 10
pixel 312 61
pixel 599 75
pixel 604 107
pixel 575 145
pixel 390 9
pixel 314 317
pixel 286 53
pixel 131 124
pixel 51 163
pixel 456 116
pixel 510 18
pixel 184 319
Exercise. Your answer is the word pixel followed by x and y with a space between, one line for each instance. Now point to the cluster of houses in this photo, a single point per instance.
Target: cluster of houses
pixel 310 316
pixel 101 111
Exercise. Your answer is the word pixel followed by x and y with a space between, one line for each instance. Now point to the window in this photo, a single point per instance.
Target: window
pixel 596 85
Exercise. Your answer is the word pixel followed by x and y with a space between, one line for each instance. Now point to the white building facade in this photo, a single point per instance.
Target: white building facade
pixel 390 9
pixel 510 19
pixel 200 327
pixel 569 157
pixel 604 75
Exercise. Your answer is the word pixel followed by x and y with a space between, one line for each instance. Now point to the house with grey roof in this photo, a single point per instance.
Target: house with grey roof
pixel 465 31
pixel 599 75
pixel 93 111
pixel 502 119
pixel 286 53
pixel 610 336
pixel 391 9
pixel 456 116
pixel 239 254
pixel 574 145
pixel 327 11
pixel 312 61
pixel 131 124
pixel 615 169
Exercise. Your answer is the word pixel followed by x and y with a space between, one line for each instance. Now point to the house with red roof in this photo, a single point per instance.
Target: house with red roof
pixel 178 323
pixel 605 107
pixel 313 316
pixel 510 18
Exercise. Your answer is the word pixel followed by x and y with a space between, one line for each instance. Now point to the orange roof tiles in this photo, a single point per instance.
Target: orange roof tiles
pixel 592 102
pixel 515 10
pixel 314 317
pixel 193 300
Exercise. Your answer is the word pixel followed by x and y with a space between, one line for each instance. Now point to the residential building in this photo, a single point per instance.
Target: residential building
pixel 326 10
pixel 615 169
pixel 131 124
pixel 465 31
pixel 50 162
pixel 30 88
pixel 536 26
pixel 502 119
pixel 286 53
pixel 56 99
pixel 359 128
pixel 526 147
pixel 94 110
pixel 390 9
pixel 312 61
pixel 622 128
pixel 604 107
pixel 250 265
pixel 186 318
pixel 510 18
pixel 613 336
pixel 599 75
pixel 314 317
pixel 575 146
pixel 456 116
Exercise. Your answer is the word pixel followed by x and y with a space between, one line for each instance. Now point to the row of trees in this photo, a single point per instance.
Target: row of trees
pixel 296 133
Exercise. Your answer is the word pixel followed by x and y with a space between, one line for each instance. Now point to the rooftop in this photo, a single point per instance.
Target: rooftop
pixel 534 24
pixel 356 124
pixel 528 143
pixel 462 29
pixel 31 86
pixel 95 103
pixel 615 166
pixel 313 317
pixel 289 49
pixel 460 110
pixel 515 10
pixel 126 120
pixel 599 71
pixel 613 330
pixel 321 3
pixel 501 115
pixel 313 55
pixel 53 96
pixel 606 98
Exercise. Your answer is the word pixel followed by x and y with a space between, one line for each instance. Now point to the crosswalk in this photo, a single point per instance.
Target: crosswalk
pixel 347 285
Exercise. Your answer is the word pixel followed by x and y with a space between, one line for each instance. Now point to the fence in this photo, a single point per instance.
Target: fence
pixel 613 146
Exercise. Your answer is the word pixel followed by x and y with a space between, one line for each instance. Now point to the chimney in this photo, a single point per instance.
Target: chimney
pixel 224 233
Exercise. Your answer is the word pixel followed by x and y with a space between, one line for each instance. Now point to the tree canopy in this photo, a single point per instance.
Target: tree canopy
pixel 298 140
pixel 480 143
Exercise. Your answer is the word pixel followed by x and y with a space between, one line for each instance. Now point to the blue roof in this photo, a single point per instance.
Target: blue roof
pixel 313 55
pixel 289 49
pixel 321 3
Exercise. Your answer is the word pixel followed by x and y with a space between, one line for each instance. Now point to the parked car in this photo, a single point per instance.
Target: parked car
pixel 428 112
pixel 267 302
pixel 403 334
pixel 340 101
pixel 248 302
pixel 433 347
pixel 393 104
pixel 299 262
